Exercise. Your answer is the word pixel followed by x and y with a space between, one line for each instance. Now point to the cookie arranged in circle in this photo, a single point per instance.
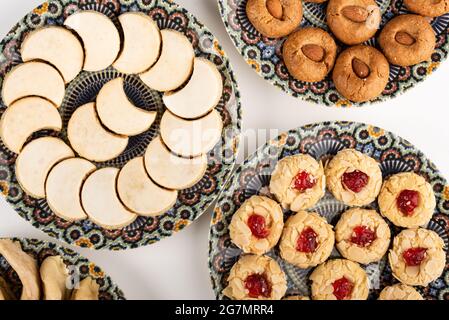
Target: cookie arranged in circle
pixel 407 200
pixel 256 278
pixel 298 182
pixel 417 257
pixel 309 54
pixel 407 40
pixel 353 21
pixel 428 8
pixel 307 240
pixel 400 292
pixel 339 279
pixel 257 225
pixel 353 178
pixel 274 18
pixel 362 235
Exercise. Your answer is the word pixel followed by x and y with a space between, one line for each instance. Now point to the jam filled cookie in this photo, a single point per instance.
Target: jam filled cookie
pixel 256 278
pixel 354 178
pixel 400 292
pixel 407 40
pixel 428 8
pixel 353 21
pixel 407 200
pixel 339 279
pixel 307 240
pixel 309 54
pixel 417 257
pixel 257 225
pixel 361 73
pixel 274 18
pixel 298 182
pixel 362 235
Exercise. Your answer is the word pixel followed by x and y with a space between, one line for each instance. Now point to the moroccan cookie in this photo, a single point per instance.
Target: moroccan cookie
pixel 298 182
pixel 353 21
pixel 256 278
pixel 339 279
pixel 257 225
pixel 309 54
pixel 407 200
pixel 400 292
pixel 417 257
pixel 407 40
pixel 274 18
pixel 354 178
pixel 428 8
pixel 307 240
pixel 361 73
pixel 362 235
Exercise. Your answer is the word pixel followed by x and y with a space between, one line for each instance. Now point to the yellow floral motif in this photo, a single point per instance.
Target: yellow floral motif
pixel 375 132
pixel 41 9
pixel 235 145
pixel 84 243
pixel 255 64
pixel 4 187
pixel 279 142
pixel 446 192
pixel 218 215
pixel 95 273
pixel 343 103
pixel 432 66
pixel 181 224
pixel 217 48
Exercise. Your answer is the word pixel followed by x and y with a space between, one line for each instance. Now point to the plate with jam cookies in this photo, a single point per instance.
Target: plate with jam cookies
pixel 340 52
pixel 332 211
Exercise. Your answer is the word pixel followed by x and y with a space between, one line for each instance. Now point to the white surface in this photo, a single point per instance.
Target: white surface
pixel 176 268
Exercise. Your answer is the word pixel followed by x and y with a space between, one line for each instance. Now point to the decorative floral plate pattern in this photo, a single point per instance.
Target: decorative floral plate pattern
pixel 192 202
pixel 78 266
pixel 322 141
pixel 264 54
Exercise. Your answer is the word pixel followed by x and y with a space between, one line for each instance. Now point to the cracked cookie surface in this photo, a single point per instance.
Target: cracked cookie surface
pixel 428 8
pixel 400 292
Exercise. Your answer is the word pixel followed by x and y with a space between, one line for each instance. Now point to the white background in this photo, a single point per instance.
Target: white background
pixel 176 268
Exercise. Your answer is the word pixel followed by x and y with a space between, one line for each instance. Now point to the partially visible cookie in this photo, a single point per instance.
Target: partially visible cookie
pixel 400 292
pixel 296 298
pixel 428 8
pixel 274 18
pixel 309 54
pixel 361 73
pixel 407 40
pixel 353 21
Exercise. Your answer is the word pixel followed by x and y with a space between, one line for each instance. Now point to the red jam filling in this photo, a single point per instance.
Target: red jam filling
pixel 258 286
pixel 408 201
pixel 307 241
pixel 342 288
pixel 363 236
pixel 256 224
pixel 414 256
pixel 355 180
pixel 303 181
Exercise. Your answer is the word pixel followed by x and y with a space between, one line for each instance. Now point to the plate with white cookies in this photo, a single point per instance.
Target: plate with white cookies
pixel 119 120
pixel 31 269
pixel 332 211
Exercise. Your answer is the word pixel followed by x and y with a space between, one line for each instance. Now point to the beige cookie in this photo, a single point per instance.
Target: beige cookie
pixel 298 182
pixel 428 8
pixel 257 225
pixel 309 54
pixel 307 240
pixel 354 178
pixel 339 279
pixel 256 278
pixel 407 40
pixel 400 292
pixel 362 235
pixel 417 257
pixel 407 200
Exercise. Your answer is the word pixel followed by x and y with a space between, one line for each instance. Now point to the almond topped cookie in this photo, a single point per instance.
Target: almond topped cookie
pixel 417 257
pixel 256 278
pixel 307 240
pixel 428 8
pixel 400 292
pixel 298 182
pixel 354 178
pixel 407 200
pixel 339 279
pixel 362 235
pixel 257 225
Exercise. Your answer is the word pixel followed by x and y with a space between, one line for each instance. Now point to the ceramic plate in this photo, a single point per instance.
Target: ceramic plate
pixel 322 141
pixel 264 55
pixel 79 266
pixel 192 202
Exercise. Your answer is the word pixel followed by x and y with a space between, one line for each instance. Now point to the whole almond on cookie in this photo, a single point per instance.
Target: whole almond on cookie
pixel 355 13
pixel 361 69
pixel 274 7
pixel 313 52
pixel 404 38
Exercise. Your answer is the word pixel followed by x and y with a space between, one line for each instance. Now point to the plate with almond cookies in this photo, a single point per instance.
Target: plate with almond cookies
pixel 332 211
pixel 119 120
pixel 340 52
